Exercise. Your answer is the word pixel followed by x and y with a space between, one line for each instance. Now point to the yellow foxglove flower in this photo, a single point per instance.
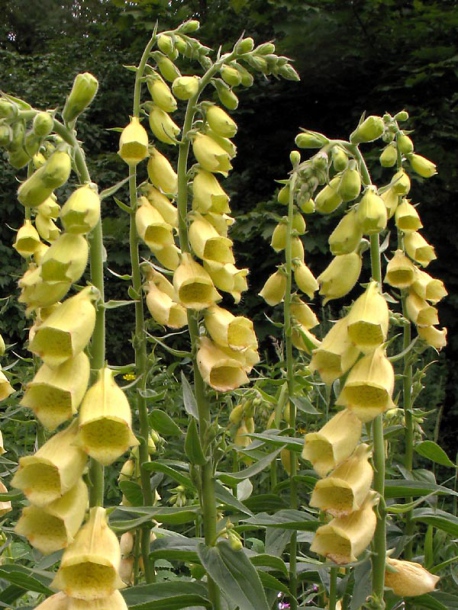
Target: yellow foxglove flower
pixel 89 566
pixel 210 155
pixel 162 204
pixel 151 226
pixel 408 579
pixel 40 252
pixel 404 143
pixel 303 339
pixel 279 236
pixel 5 506
pixel 247 357
pixel 336 354
pixel 49 208
pixel 207 194
pixel 343 539
pixel 218 369
pixel 391 201
pixel 370 129
pixel 371 213
pixel 67 331
pixel 161 173
pixel 400 271
pixel 166 67
pixel 304 278
pixel 389 155
pixel 227 330
pixel 40 185
pixel 220 122
pixel 226 144
pixel 54 469
pixel 162 126
pixel 58 601
pixel 369 386
pixel 54 526
pixel 333 443
pixel 345 489
pixel 83 91
pixel 54 394
pixel 36 293
pixel 221 222
pixel 422 166
pixel 407 218
pixel 160 93
pixel 303 313
pixel 168 256
pixel 420 312
pixel 400 183
pixel 328 199
pixel 418 249
pixel 27 240
pixel 2 448
pixel 207 243
pixel 163 308
pixel 368 319
pixel 133 143
pixel 228 278
pixel 433 336
pixel 193 285
pixel 347 235
pixel 66 259
pixel 5 387
pixel 273 291
pixel 340 276
pixel 105 420
pixel 47 228
pixel 185 87
pixel 427 287
pixel 349 185
pixel 81 212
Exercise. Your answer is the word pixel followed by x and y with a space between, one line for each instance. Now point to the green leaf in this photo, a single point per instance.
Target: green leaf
pixel 113 304
pixel 235 575
pixel 189 400
pixel 123 206
pixel 175 548
pixel 250 471
pixel 438 518
pixel 270 582
pixel 303 404
pixel 14 494
pixel 437 600
pixel 273 437
pixel 224 496
pixel 401 488
pixel 26 579
pixel 265 502
pixel 167 596
pixel 435 453
pixel 286 519
pixel 192 446
pixel 163 423
pixel 125 518
pixel 167 468
pixel 270 561
pixel 132 491
pixel 112 190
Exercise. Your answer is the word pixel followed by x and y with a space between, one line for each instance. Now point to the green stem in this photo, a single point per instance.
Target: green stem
pixel 332 589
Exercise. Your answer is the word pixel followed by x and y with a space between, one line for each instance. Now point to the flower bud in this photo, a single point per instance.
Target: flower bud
pixel 185 87
pixel 418 249
pixel 244 46
pixel 66 332
pixel 54 394
pixel 391 201
pixel 305 280
pixel 403 115
pixel 133 143
pixel 210 155
pixel 162 204
pixel 408 579
pixel 53 470
pixel 207 244
pixel 83 92
pixel 369 386
pixel 328 199
pixel 427 287
pixel 347 235
pixel 420 312
pixel 303 339
pixel 422 166
pixel 333 443
pixel 218 369
pixel 66 259
pixel 371 213
pixel 310 139
pixel 340 276
pixel 8 110
pixel 273 291
pixel 225 94
pixel 208 196
pixel 349 185
pixel 151 227
pixel 407 218
pixel 27 240
pixel 81 212
pixel 400 271
pixel 161 173
pixel 42 124
pixel 162 126
pixel 404 143
pixel 368 130
pixel 89 566
pixel 105 420
pixel 433 336
pixel 193 285
pixel 230 75
pixel 368 319
pixel 166 67
pixel 302 313
pixel 220 122
pixel 165 44
pixel 389 155
pixel 400 183
pixel 339 158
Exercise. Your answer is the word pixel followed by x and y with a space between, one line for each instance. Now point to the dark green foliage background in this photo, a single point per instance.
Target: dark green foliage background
pixel 365 55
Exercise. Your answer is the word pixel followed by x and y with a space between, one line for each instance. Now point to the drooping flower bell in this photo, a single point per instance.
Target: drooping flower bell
pixel 105 420
pixel 193 285
pixel 162 204
pixel 420 312
pixel 220 370
pixel 349 186
pixel 304 278
pixel 37 293
pixel 66 259
pixel 343 539
pixel 54 526
pixel 422 166
pixel 408 578
pixel 340 276
pixel 60 601
pixel 47 228
pixel 210 155
pixel 54 394
pixel 407 218
pixel 418 249
pixel 273 291
pixel 5 505
pixel 227 330
pixel 89 566
pixel 67 331
pixel 400 271
pixel 336 354
pixel 347 235
pixel 391 200
pixel 27 240
pixel 427 287
pixel 151 226
pixel 433 336
pixel 303 339
pixel 369 386
pixel 207 243
pixel 161 173
pixel 168 256
pixel 345 489
pixel 162 306
pixel 368 319
pixel 400 183
pixel 53 470
pixel 133 143
pixel 160 93
pixel 6 389
pixel 333 443
pixel 303 313
pixel 220 122
pixel 371 212
pixel 81 212
pixel 162 126
pixel 208 195
pixel 228 278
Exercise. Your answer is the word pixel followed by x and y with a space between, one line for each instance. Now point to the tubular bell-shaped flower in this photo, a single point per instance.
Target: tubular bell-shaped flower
pixel 207 243
pixel 53 527
pixel 340 276
pixel 66 259
pixel 227 330
pixel 133 143
pixel 433 336
pixel 408 579
pixel 151 226
pixel 27 240
pixel 420 312
pixel 37 293
pixel 228 278
pixel 53 470
pixel 210 155
pixel 193 285
pixel 407 218
pixel 304 278
pixel 303 313
pixel 369 386
pixel 162 204
pixel 66 332
pixel 161 173
pixel 346 488
pixel 163 308
pixel 220 370
pixel 371 212
pixel 54 394
pixel 333 443
pixel 273 291
pixel 5 387
pixel 368 319
pixel 5 506
pixel 89 566
pixel 162 126
pixel 105 420
pixel 347 235
pixel 208 195
pixel 418 249
pixel 427 287
pixel 81 212
pixel 400 271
